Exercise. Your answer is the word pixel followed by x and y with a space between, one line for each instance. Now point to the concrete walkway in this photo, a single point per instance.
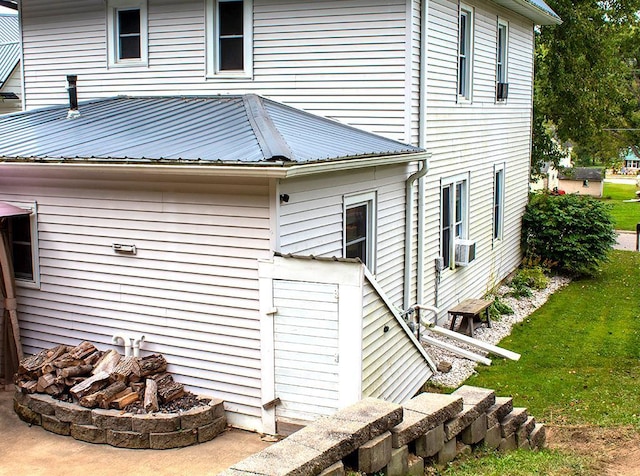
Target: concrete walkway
pixel 626 241
pixel 32 451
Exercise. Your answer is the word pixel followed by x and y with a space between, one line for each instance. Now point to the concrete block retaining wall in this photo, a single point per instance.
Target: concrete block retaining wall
pixel 123 430
pixel 377 436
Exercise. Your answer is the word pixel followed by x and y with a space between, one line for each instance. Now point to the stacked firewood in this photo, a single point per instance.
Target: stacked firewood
pixel 99 379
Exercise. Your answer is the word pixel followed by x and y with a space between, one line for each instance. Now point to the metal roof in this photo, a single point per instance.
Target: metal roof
pixel 9 46
pixel 536 10
pixel 243 130
pixel 581 173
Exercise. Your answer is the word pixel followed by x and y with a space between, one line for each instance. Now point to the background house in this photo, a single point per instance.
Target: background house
pixel 583 180
pixel 10 74
pixel 219 242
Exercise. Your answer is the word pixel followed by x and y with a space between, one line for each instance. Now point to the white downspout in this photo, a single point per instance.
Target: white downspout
pixel 126 342
pixel 137 344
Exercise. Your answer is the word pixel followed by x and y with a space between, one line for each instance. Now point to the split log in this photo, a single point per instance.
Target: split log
pixel 34 363
pixel 102 397
pixel 151 396
pixel 164 378
pixel 170 392
pixel 124 398
pixel 62 362
pixel 93 358
pixel 151 364
pixel 55 389
pixel 74 371
pixel 46 381
pixel 30 386
pixel 91 385
pixel 107 362
pixel 82 350
pixel 73 381
pixel 125 368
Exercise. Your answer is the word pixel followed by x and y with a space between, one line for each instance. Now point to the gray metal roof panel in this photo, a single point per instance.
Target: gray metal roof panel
pixel 9 59
pixel 221 129
pixel 9 28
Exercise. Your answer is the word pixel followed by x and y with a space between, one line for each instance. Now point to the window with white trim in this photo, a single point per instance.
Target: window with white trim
pixel 359 228
pixel 502 51
pixel 127 38
pixel 229 38
pixel 23 245
pixel 498 201
pixel 454 206
pixel 465 53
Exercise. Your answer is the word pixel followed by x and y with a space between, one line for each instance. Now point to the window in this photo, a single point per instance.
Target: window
pixel 127 32
pixel 23 243
pixel 359 228
pixel 498 202
pixel 229 38
pixel 465 53
pixel 454 220
pixel 501 61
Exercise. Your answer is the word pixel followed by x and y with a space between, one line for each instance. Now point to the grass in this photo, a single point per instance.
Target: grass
pixel 579 365
pixel 625 215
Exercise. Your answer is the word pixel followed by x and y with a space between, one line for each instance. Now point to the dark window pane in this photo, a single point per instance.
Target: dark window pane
pixel 356 232
pixel 463 34
pixel 446 246
pixel 446 225
pixel 231 54
pixel 231 16
pixel 446 212
pixel 21 229
pixel 358 250
pixel 20 238
pixel 128 22
pixel 129 47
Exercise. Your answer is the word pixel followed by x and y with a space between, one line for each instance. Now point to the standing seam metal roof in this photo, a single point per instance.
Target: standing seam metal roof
pixel 221 129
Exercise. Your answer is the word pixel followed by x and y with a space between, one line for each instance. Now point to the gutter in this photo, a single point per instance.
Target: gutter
pixel 279 170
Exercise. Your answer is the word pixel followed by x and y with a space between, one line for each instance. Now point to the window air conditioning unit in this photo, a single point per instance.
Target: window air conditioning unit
pixel 465 252
pixel 502 91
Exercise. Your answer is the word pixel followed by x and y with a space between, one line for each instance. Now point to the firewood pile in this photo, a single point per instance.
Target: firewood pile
pixel 99 379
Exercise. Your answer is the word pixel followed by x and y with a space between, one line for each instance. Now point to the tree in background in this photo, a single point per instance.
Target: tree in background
pixel 587 81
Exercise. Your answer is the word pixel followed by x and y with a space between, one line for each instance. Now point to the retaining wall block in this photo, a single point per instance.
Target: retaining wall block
pixel 398 465
pixel 463 449
pixel 523 432
pixel 52 424
pixel 173 439
pixel 195 417
pixel 415 466
pixel 210 431
pixel 378 415
pixel 508 443
pixel 216 403
pixel 476 431
pixel 482 398
pixel 128 439
pixel 26 414
pixel 73 413
pixel 336 469
pixel 431 442
pixel 513 420
pixel 285 458
pixel 375 454
pixel 447 453
pixel 493 437
pixel 42 404
pixel 538 437
pixel 155 423
pixel 21 397
pixel 88 433
pixel 112 420
pixel 499 410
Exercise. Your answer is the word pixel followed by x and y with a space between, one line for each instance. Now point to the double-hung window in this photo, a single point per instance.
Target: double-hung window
pixel 127 32
pixel 501 61
pixel 454 219
pixel 359 228
pixel 498 201
pixel 229 38
pixel 23 245
pixel 465 53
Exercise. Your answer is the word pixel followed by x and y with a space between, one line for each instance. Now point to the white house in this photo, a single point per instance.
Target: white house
pixel 10 74
pixel 206 211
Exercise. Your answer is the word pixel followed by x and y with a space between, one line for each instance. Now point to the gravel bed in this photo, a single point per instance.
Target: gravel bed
pixel 463 368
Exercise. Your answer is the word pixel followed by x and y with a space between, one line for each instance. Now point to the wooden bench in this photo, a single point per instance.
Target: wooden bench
pixel 470 310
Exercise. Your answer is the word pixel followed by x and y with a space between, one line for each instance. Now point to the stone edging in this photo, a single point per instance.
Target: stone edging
pixel 374 436
pixel 124 430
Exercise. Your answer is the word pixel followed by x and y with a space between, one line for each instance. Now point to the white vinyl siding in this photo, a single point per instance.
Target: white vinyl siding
pixel 311 222
pixel 474 137
pixel 344 59
pixel 191 289
pixel 393 379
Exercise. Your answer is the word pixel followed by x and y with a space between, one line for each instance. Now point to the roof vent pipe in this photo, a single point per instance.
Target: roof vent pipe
pixel 72 87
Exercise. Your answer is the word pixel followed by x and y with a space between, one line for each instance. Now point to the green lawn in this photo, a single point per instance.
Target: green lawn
pixel 579 364
pixel 625 215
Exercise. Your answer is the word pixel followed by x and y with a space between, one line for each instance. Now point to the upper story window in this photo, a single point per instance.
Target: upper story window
pixel 465 53
pixel 502 86
pixel 229 38
pixel 23 246
pixel 359 228
pixel 127 32
pixel 455 215
pixel 498 201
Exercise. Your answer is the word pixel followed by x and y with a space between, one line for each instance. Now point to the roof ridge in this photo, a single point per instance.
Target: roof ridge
pixel 273 145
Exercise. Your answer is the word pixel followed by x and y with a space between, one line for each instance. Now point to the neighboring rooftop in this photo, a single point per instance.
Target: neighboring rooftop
pixel 581 173
pixel 9 46
pixel 245 130
pixel 536 10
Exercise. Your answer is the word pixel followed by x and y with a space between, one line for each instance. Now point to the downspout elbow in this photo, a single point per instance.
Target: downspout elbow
pixel 126 342
pixel 137 344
